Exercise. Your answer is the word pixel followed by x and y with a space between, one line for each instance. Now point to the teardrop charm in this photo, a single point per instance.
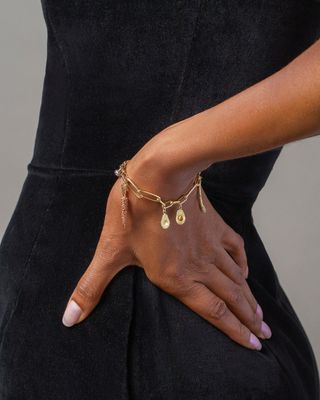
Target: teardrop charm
pixel 180 216
pixel 165 221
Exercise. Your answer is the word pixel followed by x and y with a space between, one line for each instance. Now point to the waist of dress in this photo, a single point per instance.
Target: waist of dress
pixel 235 208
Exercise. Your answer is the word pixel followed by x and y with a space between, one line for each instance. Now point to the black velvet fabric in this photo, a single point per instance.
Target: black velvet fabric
pixel 117 73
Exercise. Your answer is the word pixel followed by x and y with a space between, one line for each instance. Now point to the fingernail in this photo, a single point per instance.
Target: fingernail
pixel 71 314
pixel 259 311
pixel 255 342
pixel 266 331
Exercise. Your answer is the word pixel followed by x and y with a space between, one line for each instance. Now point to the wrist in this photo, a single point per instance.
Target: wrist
pixel 139 172
pixel 152 171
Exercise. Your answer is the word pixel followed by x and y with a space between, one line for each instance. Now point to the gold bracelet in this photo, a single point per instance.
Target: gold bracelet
pixel 140 193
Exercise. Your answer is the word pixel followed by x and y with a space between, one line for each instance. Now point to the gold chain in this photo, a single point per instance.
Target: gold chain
pixel 128 183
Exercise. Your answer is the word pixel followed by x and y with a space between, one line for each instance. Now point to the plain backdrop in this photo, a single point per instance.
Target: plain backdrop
pixel 287 212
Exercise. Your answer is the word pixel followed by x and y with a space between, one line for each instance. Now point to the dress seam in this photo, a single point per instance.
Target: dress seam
pixel 46 170
pixel 27 264
pixel 186 64
pixel 68 74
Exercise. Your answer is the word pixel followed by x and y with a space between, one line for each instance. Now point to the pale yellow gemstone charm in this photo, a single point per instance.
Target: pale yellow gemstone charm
pixel 165 221
pixel 180 216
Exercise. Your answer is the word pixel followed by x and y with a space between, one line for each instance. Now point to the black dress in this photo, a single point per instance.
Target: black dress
pixel 117 73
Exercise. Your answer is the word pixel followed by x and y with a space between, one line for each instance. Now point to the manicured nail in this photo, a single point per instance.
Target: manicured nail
pixel 259 311
pixel 255 342
pixel 71 314
pixel 266 331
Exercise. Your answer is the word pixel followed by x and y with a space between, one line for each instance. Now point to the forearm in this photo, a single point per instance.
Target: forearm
pixel 282 108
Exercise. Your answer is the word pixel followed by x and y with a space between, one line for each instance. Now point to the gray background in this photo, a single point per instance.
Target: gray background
pixel 287 212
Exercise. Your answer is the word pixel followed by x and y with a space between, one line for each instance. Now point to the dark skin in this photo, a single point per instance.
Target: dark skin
pixel 189 261
pixel 202 262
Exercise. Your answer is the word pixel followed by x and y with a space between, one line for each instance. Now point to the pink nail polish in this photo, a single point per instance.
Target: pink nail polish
pixel 71 314
pixel 266 331
pixel 255 342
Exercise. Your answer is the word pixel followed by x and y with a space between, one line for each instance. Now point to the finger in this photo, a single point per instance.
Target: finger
pixel 86 295
pixel 212 308
pixel 251 299
pixel 234 296
pixel 235 247
pixel 228 266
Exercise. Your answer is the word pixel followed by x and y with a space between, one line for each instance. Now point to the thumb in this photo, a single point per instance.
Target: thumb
pixel 109 258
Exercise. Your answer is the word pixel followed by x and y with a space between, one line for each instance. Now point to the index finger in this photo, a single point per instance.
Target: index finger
pixel 210 307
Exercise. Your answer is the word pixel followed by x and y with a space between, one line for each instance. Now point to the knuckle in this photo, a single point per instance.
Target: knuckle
pixel 112 247
pixel 242 330
pixel 214 255
pixel 217 309
pixel 87 291
pixel 178 286
pixel 255 321
pixel 240 278
pixel 239 241
pixel 227 237
pixel 235 296
pixel 173 276
pixel 107 254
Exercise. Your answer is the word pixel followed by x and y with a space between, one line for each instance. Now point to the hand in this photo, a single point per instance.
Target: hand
pixel 202 262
